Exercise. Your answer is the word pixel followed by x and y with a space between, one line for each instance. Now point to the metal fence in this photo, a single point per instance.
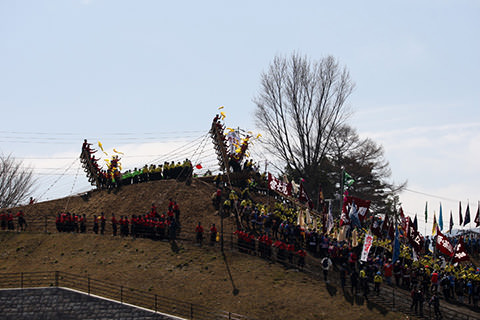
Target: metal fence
pixel 91 286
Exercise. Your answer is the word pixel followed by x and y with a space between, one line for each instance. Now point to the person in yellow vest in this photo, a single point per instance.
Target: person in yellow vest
pixel 377 280
pixel 226 207
pixel 364 283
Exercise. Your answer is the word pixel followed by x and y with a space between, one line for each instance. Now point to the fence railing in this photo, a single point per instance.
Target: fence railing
pixel 91 286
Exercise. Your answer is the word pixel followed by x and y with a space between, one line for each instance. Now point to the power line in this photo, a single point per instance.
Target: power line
pixel 103 134
pixel 431 195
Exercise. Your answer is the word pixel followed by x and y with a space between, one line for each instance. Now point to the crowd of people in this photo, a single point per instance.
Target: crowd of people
pixel 273 232
pixel 153 224
pixel 167 170
pixel 112 177
pixel 7 219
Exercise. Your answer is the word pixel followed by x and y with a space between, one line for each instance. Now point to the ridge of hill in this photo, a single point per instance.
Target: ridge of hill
pixel 193 274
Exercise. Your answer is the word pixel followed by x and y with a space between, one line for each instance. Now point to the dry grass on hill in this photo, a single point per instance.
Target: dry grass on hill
pixel 193 274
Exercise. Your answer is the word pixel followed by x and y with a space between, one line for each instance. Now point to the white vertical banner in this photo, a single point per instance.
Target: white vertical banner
pixel 367 244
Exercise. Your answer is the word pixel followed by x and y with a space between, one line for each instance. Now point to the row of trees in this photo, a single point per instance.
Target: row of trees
pixel 302 109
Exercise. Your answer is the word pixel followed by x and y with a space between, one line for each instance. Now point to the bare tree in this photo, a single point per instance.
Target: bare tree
pixel 16 182
pixel 299 107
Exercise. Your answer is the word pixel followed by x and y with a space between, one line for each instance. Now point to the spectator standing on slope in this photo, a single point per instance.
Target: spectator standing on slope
pixel 199 233
pixel 326 265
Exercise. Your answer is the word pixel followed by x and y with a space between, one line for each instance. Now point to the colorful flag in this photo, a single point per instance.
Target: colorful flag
pixel 385 224
pixel 342 234
pixel 426 214
pixel 362 206
pixel 353 215
pixel 451 222
pixel 440 218
pixel 460 218
pixel 367 244
pixel 414 237
pixel 303 195
pixel 403 220
pixel 279 186
pixel 477 216
pixel 435 225
pixel 443 245
pixel 467 215
pixel 330 219
pixel 396 247
pixel 344 219
pixel 347 179
pixel 377 227
pixel 460 252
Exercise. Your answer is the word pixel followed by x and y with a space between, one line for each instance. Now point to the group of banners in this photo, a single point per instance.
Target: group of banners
pixel 354 212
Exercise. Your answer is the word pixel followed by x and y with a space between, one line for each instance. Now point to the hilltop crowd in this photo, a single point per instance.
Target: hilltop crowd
pixel 112 177
pixel 152 172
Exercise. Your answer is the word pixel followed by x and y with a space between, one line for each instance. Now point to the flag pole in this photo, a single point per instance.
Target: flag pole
pixel 470 222
pixel 426 218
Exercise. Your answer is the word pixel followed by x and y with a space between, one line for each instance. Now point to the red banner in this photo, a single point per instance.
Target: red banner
pixel 414 237
pixel 443 245
pixel 460 252
pixel 367 244
pixel 362 206
pixel 279 186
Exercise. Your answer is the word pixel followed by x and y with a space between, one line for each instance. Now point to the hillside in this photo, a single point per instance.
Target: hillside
pixel 197 275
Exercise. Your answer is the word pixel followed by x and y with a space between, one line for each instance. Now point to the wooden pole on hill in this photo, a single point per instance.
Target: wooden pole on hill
pixel 221 226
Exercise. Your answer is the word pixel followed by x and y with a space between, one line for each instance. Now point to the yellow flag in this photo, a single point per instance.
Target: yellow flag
pixel 223 115
pixel 101 146
pixel 220 108
pixel 117 151
pixel 258 135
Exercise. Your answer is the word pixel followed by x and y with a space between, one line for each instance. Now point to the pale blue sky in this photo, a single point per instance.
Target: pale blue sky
pixel 134 72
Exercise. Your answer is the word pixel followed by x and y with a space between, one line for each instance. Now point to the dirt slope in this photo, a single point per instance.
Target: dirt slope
pixel 196 275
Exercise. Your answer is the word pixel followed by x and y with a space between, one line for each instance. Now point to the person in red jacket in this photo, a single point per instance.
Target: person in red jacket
pixel 199 232
pixel 434 281
pixel 102 223
pixel 388 271
pixel 291 252
pixel 301 258
pixel 213 234
pixel 95 224
pixel 10 225
pixel 22 223
pixel 114 225
pixel 83 224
